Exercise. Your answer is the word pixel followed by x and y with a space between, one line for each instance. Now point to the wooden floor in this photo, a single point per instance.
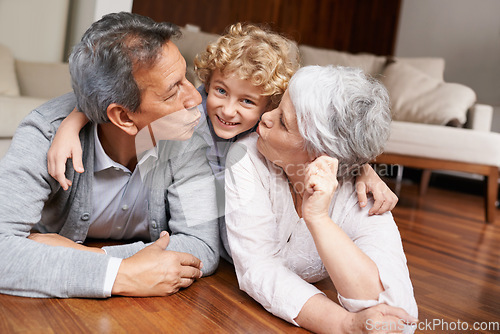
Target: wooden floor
pixel 453 257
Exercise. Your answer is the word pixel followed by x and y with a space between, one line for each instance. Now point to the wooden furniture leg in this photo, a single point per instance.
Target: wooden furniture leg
pixel 491 194
pixel 428 164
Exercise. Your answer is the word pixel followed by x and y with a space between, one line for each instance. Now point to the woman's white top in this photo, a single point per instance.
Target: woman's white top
pixel 273 251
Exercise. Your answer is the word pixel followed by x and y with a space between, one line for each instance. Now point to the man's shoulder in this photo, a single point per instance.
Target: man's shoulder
pixel 56 109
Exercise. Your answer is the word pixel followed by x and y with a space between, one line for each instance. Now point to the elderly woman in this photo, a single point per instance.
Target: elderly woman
pixel 293 216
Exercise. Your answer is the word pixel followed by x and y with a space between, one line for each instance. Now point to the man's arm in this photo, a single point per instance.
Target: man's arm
pixel 29 268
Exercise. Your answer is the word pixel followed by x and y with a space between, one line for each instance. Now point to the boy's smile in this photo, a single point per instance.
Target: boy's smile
pixel 234 105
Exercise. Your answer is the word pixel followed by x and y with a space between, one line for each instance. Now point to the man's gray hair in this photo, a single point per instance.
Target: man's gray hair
pixel 341 113
pixel 103 63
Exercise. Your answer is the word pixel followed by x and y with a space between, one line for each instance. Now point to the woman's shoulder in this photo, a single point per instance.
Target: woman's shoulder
pixel 244 151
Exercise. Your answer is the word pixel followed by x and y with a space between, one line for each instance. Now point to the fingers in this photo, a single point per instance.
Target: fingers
pixel 377 206
pixel 325 164
pixel 361 192
pixel 77 160
pixel 162 241
pixel 186 259
pixel 57 170
pixel 385 200
pixel 399 313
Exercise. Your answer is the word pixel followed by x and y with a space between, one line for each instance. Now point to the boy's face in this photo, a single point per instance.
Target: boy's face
pixel 234 105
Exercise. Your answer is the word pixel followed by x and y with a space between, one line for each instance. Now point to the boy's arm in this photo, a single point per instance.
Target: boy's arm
pixel 369 181
pixel 66 145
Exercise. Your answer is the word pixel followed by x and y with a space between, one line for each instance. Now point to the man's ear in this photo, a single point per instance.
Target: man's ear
pixel 119 116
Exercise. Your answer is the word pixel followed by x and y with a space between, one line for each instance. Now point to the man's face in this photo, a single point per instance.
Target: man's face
pixel 168 99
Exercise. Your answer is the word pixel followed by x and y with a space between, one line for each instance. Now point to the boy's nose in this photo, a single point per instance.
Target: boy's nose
pixel 229 110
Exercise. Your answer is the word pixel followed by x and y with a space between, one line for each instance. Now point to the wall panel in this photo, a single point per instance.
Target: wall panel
pixel 349 25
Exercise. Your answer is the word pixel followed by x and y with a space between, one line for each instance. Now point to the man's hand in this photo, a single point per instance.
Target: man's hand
pixel 154 271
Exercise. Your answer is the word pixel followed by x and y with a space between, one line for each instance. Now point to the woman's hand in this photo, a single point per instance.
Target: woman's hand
pixel 368 181
pixel 54 239
pixel 381 318
pixel 320 185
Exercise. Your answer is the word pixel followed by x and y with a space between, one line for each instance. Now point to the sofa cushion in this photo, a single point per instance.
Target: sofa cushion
pixel 8 79
pixel 442 142
pixel 417 97
pixel 190 44
pixel 370 64
pixel 41 79
pixel 193 42
pixel 434 67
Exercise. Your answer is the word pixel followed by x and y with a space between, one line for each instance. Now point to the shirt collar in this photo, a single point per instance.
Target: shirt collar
pixel 103 161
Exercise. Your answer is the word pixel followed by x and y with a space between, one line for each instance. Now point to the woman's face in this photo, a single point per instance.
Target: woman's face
pixel 279 137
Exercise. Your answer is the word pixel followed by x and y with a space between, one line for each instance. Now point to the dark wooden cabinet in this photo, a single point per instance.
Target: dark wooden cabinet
pixel 346 25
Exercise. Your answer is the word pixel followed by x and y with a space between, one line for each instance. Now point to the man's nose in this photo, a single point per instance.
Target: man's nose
pixel 192 96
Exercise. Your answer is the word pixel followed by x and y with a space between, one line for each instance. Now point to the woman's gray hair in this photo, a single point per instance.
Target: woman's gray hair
pixel 341 113
pixel 102 64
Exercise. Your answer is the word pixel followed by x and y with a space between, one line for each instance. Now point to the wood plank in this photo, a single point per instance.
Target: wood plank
pixel 453 258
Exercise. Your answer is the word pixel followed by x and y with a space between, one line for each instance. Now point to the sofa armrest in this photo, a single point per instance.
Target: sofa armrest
pixel 44 80
pixel 12 111
pixel 480 117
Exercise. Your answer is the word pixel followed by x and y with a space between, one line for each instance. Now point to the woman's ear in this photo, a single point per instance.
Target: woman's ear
pixel 119 116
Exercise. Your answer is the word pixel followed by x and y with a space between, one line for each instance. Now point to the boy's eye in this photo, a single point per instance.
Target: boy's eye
pixel 221 91
pixel 247 101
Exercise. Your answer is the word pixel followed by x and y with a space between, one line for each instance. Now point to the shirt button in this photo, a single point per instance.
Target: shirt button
pixel 85 216
pixel 125 207
pixel 79 242
pixel 153 223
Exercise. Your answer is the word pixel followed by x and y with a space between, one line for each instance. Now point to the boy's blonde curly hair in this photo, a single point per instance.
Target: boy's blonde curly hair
pixel 255 53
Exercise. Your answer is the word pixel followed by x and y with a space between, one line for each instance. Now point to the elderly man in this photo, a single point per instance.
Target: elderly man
pixel 127 74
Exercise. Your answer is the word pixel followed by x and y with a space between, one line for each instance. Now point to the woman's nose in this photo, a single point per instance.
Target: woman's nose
pixel 267 119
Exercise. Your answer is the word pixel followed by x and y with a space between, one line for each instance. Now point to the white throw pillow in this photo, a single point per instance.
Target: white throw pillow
pixel 8 78
pixel 417 97
pixel 369 63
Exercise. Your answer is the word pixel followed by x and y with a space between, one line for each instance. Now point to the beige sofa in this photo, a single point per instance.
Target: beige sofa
pixel 23 86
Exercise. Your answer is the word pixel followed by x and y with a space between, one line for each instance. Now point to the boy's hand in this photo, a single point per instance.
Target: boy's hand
pixel 369 182
pixel 66 145
pixel 60 151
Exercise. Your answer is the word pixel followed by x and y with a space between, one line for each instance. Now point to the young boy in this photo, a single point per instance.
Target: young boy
pixel 244 74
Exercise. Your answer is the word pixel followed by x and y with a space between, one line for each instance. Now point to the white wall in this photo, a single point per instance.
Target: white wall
pixel 34 30
pixel 464 32
pixel 84 12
